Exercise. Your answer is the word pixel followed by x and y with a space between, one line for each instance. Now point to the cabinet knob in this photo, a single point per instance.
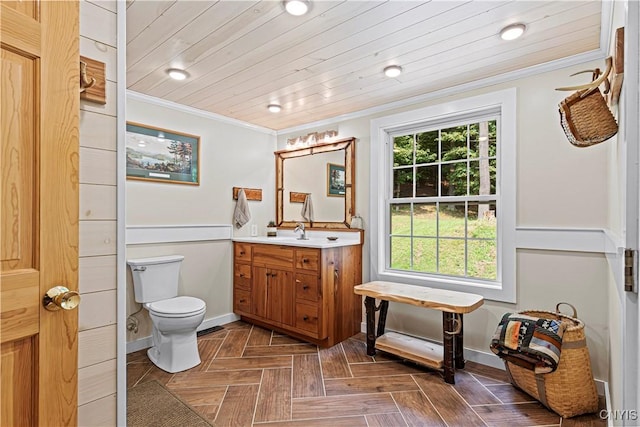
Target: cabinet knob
pixel 273 274
pixel 241 274
pixel 335 272
pixel 305 287
pixel 305 318
pixel 305 260
pixel 241 252
pixel 243 300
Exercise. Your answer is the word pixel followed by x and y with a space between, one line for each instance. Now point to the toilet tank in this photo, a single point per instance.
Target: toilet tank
pixel 155 279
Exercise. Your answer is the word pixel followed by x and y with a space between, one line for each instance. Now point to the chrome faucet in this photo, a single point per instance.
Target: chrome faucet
pixel 300 227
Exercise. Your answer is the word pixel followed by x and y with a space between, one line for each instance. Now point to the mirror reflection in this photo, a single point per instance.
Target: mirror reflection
pixel 325 174
pixel 321 177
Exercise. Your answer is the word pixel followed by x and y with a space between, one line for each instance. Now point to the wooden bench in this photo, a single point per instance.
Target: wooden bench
pixel 453 305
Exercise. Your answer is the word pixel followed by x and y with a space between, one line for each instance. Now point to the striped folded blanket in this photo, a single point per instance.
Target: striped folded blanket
pixel 531 342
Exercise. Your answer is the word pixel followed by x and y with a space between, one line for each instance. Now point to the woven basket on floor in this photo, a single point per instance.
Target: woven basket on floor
pixel 570 390
pixel 586 118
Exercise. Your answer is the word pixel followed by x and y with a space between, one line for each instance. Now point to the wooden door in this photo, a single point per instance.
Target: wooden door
pixel 280 294
pixel 39 109
pixel 259 291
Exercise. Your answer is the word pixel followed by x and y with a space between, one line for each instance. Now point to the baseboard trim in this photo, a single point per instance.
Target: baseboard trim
pixel 146 342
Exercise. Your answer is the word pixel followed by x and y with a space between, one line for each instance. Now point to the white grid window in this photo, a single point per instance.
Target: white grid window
pixel 443 196
pixel 442 207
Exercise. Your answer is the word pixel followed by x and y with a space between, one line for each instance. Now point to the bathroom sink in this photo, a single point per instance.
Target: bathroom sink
pixel 313 241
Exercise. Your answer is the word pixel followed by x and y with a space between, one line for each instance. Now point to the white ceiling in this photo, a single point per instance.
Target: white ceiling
pixel 244 55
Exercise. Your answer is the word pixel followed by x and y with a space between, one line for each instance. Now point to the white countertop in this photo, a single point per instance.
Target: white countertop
pixel 316 239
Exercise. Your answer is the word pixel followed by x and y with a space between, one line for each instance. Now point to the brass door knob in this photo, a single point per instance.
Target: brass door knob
pixel 60 297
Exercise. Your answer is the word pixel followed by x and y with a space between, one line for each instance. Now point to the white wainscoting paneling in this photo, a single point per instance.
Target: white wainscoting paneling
pixel 565 239
pixel 145 234
pixel 99 413
pixel 96 381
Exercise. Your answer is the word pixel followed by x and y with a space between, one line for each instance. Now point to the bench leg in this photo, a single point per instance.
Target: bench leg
pixel 448 344
pixel 459 346
pixel 370 309
pixel 382 317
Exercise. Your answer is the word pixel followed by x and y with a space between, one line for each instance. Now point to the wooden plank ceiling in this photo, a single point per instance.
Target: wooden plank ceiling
pixel 244 55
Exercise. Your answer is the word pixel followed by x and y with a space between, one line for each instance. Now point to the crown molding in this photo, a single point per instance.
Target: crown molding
pixel 196 112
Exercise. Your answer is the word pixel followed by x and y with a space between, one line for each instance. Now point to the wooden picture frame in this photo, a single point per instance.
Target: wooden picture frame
pixel 336 185
pixel 162 155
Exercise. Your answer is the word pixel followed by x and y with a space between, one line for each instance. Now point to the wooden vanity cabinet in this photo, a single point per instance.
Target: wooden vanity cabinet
pixel 304 292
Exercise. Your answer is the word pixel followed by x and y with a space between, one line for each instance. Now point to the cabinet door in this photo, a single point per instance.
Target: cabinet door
pixel 280 293
pixel 308 259
pixel 242 276
pixel 241 301
pixel 307 287
pixel 259 291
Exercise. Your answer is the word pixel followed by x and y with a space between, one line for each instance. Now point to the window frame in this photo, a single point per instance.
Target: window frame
pixel 502 104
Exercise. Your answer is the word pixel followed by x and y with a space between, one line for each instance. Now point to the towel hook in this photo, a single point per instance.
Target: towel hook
pixel 85 82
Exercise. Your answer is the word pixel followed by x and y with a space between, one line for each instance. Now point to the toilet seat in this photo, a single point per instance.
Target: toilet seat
pixel 177 307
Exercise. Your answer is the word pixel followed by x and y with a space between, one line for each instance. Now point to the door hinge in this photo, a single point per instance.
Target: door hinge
pixel 630 270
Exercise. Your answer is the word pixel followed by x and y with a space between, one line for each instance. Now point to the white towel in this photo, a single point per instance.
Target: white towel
pixel 241 214
pixel 307 209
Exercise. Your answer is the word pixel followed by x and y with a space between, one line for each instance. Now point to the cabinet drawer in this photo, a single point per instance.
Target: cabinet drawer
pixel 242 276
pixel 307 259
pixel 242 301
pixel 272 255
pixel 307 317
pixel 307 287
pixel 242 251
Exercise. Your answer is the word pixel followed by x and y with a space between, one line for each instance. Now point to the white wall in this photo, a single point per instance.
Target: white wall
pixel 558 185
pixel 97 268
pixel 230 156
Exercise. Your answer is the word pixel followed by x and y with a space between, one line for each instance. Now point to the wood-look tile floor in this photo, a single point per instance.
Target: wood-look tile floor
pixel 251 376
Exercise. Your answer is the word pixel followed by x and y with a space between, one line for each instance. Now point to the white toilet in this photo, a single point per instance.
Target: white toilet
pixel 175 318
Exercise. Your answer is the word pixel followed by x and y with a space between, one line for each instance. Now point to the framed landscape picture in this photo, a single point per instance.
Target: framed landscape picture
pixel 162 155
pixel 335 180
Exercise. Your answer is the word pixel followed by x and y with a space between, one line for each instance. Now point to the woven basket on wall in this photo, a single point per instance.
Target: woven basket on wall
pixel 586 118
pixel 570 390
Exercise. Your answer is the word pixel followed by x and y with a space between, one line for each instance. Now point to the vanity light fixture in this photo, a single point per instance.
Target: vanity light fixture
pixel 177 74
pixel 512 32
pixel 392 71
pixel 274 108
pixel 296 7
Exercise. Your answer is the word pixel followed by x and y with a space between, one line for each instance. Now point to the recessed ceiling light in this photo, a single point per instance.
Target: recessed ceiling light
pixel 296 7
pixel 177 74
pixel 274 108
pixel 512 32
pixel 392 71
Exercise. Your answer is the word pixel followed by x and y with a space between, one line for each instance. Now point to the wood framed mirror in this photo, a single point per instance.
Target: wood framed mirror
pixel 326 172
